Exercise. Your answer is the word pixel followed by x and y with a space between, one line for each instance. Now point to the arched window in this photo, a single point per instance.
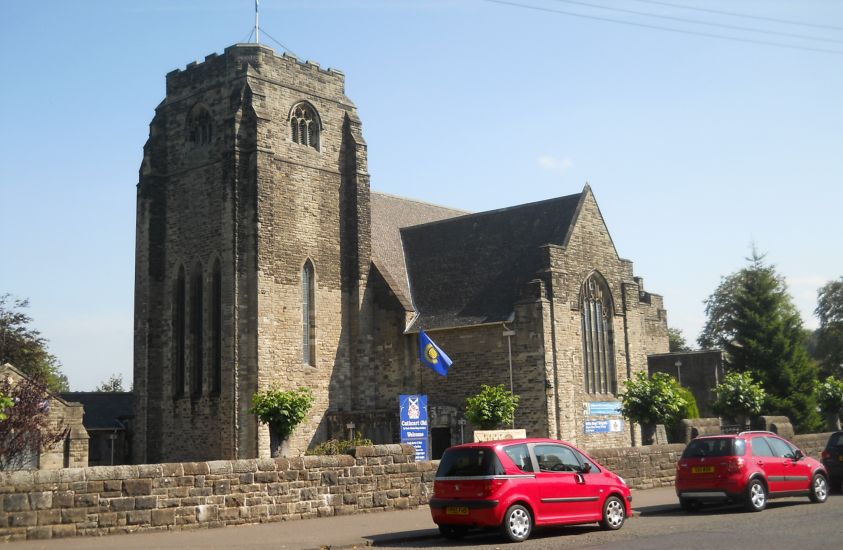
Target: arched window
pixel 304 125
pixel 597 336
pixel 308 321
pixel 179 299
pixel 196 331
pixel 199 127
pixel 216 328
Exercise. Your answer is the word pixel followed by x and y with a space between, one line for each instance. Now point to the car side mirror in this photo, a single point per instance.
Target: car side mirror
pixel 798 454
pixel 586 468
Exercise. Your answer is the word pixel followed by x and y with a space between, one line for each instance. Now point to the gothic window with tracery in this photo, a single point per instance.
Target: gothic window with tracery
pixel 304 125
pixel 199 126
pixel 597 336
pixel 216 329
pixel 308 315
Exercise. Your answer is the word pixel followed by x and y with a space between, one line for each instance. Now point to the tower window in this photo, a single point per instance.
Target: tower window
pixel 304 125
pixel 196 332
pixel 199 126
pixel 308 315
pixel 179 297
pixel 216 328
pixel 597 336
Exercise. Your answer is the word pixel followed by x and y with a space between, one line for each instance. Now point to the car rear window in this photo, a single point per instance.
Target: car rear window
pixel 469 462
pixel 715 446
pixel 836 440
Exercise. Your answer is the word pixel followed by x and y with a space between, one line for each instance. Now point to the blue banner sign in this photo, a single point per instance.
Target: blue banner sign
pixel 414 427
pixel 604 408
pixel 603 426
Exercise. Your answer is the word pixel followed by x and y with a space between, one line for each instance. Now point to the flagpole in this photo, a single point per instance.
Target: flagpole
pixel 257 23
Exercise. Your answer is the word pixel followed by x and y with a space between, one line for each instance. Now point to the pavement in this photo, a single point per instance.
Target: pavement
pixel 359 530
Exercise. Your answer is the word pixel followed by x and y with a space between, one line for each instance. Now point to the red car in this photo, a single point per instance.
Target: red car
pixel 518 484
pixel 749 468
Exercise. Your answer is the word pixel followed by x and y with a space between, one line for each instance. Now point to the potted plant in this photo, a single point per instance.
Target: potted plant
pixel 494 407
pixel 282 411
pixel 830 399
pixel 650 401
pixel 738 397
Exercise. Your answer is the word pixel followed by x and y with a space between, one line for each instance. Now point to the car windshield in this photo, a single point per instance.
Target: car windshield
pixel 715 446
pixel 469 462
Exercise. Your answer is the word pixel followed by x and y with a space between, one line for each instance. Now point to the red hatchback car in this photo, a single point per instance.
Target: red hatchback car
pixel 518 484
pixel 750 468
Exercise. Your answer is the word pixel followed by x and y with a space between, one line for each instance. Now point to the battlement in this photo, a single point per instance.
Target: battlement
pixel 257 54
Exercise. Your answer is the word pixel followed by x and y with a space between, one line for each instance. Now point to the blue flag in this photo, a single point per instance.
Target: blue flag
pixel 432 355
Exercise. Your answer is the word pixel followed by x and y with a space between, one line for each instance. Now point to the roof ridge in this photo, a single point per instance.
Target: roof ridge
pixel 493 211
pixel 417 201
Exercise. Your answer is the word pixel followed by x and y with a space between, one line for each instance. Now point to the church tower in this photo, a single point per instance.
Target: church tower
pixel 252 252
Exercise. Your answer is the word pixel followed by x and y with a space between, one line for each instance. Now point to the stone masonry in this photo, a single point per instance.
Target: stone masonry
pixel 124 499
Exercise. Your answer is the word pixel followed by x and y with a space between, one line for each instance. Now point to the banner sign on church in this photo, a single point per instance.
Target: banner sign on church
pixel 603 426
pixel 604 408
pixel 414 426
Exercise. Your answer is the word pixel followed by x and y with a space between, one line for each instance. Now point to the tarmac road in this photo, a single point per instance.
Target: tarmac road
pixel 792 524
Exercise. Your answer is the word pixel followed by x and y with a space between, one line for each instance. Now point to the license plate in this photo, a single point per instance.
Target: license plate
pixel 456 510
pixel 841 458
pixel 702 470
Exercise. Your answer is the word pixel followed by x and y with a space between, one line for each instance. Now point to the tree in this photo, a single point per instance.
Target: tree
pixel 751 317
pixel 114 384
pixel 738 396
pixel 652 400
pixel 27 430
pixel 6 403
pixel 676 341
pixel 830 333
pixel 493 407
pixel 25 348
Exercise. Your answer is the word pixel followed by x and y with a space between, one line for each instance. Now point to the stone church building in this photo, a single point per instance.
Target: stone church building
pixel 263 258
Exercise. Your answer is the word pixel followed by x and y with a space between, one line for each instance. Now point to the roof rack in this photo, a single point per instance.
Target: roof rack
pixel 756 432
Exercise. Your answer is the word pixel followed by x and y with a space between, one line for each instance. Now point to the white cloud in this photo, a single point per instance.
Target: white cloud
pixel 555 165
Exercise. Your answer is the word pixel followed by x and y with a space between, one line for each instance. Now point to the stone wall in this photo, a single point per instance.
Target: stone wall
pixel 642 467
pixel 812 444
pixel 124 499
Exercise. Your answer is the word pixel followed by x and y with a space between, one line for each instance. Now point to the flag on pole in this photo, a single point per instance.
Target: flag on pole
pixel 432 355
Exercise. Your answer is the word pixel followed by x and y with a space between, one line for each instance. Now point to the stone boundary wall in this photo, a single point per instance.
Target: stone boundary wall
pixel 40 504
pixel 642 467
pixel 812 444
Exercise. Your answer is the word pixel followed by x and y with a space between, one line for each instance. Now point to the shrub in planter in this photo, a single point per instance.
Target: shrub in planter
pixel 282 411
pixel 830 399
pixel 738 397
pixel 492 408
pixel 339 446
pixel 652 400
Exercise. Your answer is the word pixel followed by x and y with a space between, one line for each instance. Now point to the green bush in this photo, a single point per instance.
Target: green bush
pixel 493 407
pixel 655 400
pixel 339 446
pixel 5 403
pixel 830 395
pixel 282 410
pixel 738 395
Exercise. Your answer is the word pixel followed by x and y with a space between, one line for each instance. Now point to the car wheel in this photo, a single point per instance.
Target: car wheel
pixel 690 505
pixel 517 523
pixel 756 496
pixel 614 514
pixel 453 532
pixel 819 488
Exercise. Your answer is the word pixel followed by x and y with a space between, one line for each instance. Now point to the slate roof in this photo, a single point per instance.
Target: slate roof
pixel 389 214
pixel 102 409
pixel 469 270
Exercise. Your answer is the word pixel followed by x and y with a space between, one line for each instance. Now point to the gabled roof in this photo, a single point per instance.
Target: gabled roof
pixel 103 410
pixel 469 270
pixel 389 214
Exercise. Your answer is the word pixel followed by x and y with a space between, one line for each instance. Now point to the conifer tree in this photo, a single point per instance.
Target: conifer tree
pixel 752 318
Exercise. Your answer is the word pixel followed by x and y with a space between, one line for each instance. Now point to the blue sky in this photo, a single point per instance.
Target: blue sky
pixel 695 147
